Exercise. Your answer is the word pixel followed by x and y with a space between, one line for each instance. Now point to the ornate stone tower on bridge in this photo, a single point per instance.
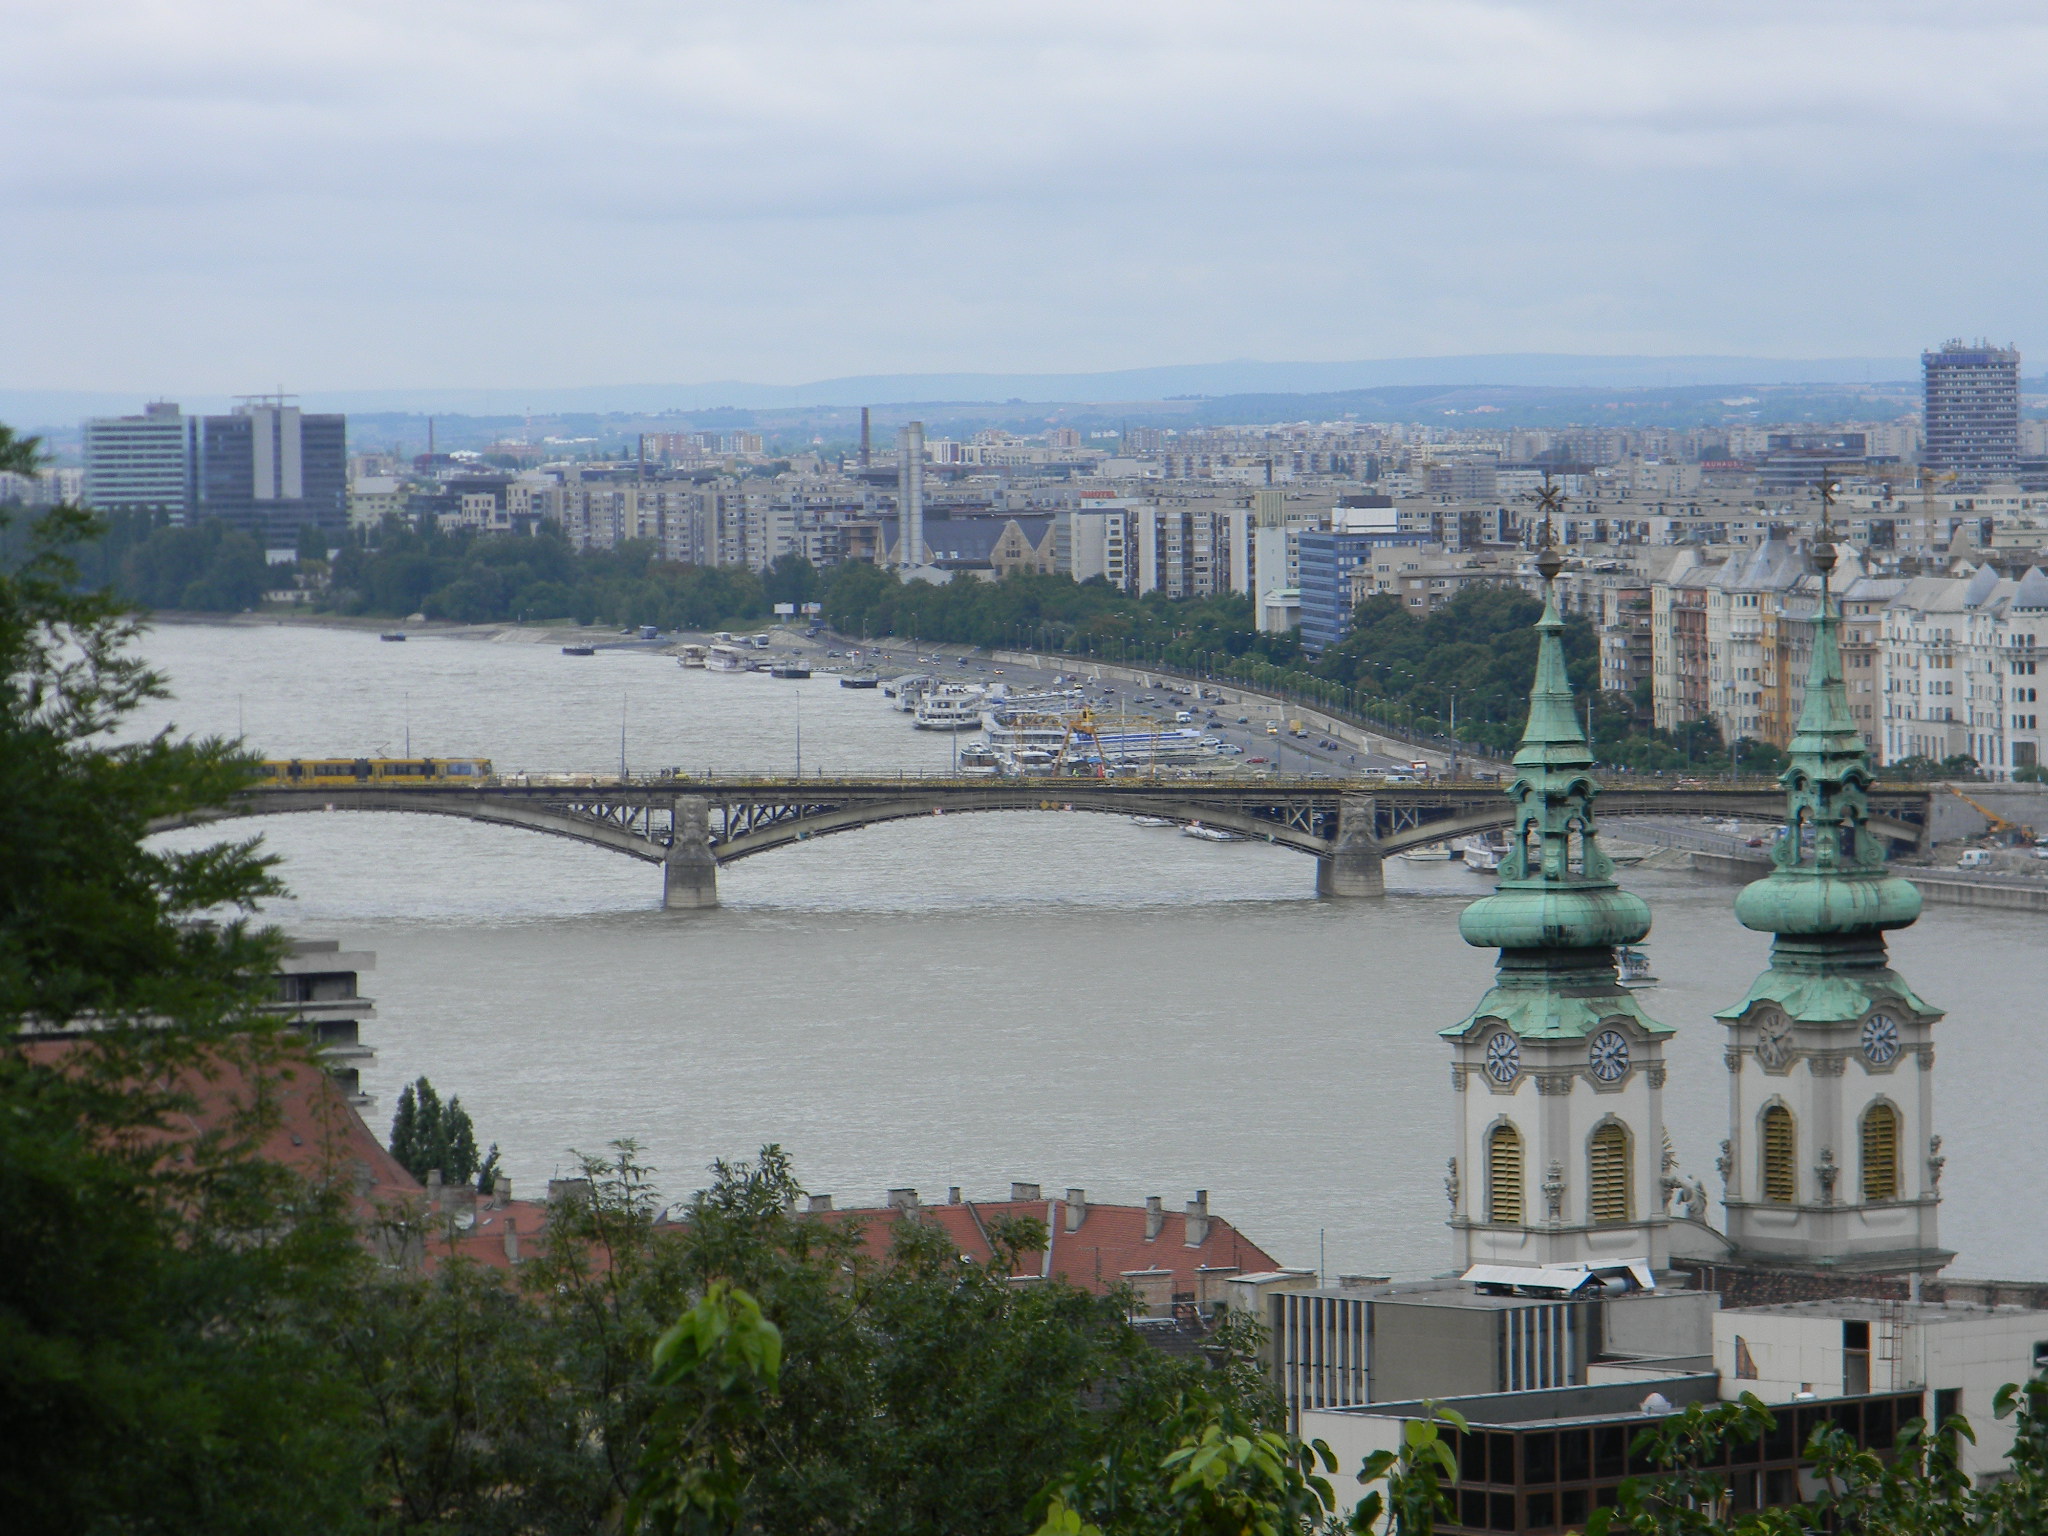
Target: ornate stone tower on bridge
pixel 1559 1073
pixel 1831 1159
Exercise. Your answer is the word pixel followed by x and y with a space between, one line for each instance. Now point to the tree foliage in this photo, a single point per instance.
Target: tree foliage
pixel 429 1136
pixel 161 1361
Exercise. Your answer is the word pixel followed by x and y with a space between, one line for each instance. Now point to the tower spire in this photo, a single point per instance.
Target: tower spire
pixel 1820 1161
pixel 1589 1138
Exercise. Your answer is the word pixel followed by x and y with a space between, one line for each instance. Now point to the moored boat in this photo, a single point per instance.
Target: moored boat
pixel 1209 834
pixel 1634 967
pixel 393 634
pixel 790 670
pixel 860 680
pixel 579 650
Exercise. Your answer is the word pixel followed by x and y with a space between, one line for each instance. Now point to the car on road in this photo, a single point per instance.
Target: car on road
pixel 1244 719
pixel 1255 760
pixel 1230 751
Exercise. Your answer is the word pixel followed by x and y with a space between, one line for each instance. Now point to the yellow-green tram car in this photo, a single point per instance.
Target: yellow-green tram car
pixel 371 772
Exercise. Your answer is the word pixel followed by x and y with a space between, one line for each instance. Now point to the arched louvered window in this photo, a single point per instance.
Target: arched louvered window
pixel 1610 1183
pixel 1504 1175
pixel 1781 1156
pixel 1880 1153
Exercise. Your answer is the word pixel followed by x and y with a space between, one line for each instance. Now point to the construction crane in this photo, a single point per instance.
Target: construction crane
pixel 2001 826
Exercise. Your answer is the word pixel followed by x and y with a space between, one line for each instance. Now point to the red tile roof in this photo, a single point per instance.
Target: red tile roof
pixel 1108 1246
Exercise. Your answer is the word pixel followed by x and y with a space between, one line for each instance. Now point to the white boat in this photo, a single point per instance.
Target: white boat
pixel 1480 855
pixel 692 656
pixel 951 707
pixel 1153 821
pixel 1435 853
pixel 728 658
pixel 907 690
pixel 1209 834
pixel 1634 967
pixel 977 762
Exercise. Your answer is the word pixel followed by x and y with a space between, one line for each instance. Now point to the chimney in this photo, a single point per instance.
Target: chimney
pixel 434 1188
pixel 1198 1219
pixel 902 1200
pixel 1155 1217
pixel 820 1203
pixel 501 1189
pixel 1023 1193
pixel 952 1194
pixel 1077 1209
pixel 512 1239
pixel 566 1191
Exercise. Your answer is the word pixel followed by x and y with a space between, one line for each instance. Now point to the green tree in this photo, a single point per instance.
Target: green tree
pixel 427 1135
pixel 161 1359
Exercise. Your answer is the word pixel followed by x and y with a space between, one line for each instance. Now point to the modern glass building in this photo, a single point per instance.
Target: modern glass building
pixel 1327 560
pixel 271 469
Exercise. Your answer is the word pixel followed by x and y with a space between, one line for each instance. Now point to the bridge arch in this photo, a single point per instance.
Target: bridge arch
pixel 692 828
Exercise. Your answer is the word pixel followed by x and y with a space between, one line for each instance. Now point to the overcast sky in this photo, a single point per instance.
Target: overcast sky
pixel 219 195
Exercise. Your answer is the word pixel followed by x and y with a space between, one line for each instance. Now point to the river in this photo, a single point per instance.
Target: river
pixel 1068 1000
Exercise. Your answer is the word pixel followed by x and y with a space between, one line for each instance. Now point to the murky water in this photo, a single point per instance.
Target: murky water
pixel 1066 999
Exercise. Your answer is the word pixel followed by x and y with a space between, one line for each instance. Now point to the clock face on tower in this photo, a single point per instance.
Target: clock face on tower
pixel 1503 1057
pixel 1880 1039
pixel 1608 1056
pixel 1774 1042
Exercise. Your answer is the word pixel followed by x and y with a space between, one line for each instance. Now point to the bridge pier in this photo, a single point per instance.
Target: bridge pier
pixel 1354 866
pixel 689 872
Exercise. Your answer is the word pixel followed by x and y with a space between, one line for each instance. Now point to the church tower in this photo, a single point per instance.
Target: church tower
pixel 1831 1158
pixel 1559 1075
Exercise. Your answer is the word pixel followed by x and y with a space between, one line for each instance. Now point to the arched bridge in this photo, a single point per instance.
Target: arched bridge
pixel 690 827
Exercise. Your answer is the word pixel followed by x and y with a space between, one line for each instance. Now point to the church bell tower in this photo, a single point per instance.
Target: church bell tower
pixel 1831 1160
pixel 1558 1073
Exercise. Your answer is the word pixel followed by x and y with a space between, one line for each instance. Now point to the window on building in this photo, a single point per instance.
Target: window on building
pixel 1610 1182
pixel 1780 1160
pixel 1504 1175
pixel 1880 1153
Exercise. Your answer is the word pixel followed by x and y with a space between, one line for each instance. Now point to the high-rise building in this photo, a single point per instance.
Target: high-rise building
pixel 1973 412
pixel 267 468
pixel 141 463
pixel 271 469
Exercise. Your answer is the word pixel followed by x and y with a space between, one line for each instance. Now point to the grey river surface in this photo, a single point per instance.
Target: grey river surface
pixel 1065 999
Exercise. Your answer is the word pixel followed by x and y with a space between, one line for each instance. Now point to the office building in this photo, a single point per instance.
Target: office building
pixel 141 463
pixel 267 468
pixel 1973 412
pixel 1326 558
pixel 270 469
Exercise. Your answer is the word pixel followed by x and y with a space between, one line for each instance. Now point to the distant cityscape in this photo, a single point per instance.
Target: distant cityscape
pixel 1686 545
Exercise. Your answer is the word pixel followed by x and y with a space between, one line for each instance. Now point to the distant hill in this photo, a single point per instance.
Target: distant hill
pixel 33 408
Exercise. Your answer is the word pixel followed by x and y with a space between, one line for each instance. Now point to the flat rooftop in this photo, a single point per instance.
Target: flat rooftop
pixel 1870 1309
pixel 1554 1407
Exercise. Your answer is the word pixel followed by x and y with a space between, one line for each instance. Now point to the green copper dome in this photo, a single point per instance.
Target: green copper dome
pixel 1830 899
pixel 1555 925
pixel 1541 902
pixel 1830 876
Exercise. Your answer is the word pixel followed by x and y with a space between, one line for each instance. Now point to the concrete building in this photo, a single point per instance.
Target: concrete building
pixel 1958 669
pixel 1328 557
pixel 141 463
pixel 318 989
pixel 1972 395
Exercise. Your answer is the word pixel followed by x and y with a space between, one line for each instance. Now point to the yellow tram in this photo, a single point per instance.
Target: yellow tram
pixel 367 772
